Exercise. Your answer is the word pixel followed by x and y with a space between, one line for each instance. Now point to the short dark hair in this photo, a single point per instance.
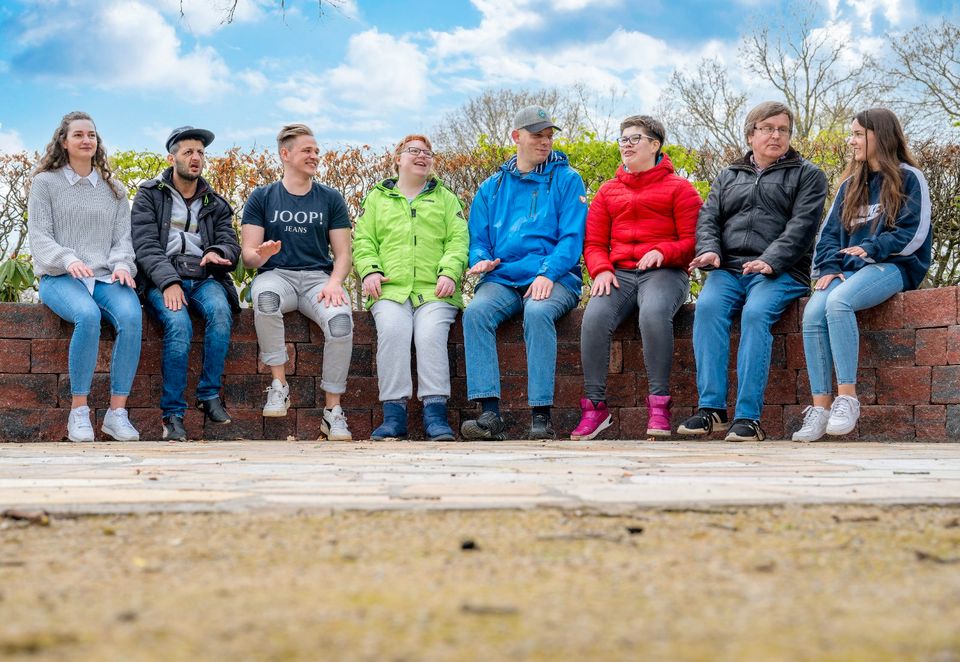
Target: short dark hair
pixel 649 124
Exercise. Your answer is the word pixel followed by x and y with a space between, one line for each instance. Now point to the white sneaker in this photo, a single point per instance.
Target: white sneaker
pixel 78 425
pixel 278 399
pixel 843 415
pixel 117 425
pixel 814 424
pixel 334 425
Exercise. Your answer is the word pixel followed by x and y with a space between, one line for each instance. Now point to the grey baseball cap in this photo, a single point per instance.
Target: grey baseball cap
pixel 189 132
pixel 533 119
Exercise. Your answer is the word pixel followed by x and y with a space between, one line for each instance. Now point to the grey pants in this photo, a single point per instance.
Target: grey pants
pixel 428 326
pixel 658 293
pixel 281 291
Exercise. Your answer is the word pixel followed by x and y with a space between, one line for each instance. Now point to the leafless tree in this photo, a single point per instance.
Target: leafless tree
pixel 926 66
pixel 230 8
pixel 812 70
pixel 704 108
pixel 491 114
pixel 15 170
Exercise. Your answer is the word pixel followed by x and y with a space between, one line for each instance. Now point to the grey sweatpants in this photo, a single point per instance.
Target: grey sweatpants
pixel 658 293
pixel 428 325
pixel 281 291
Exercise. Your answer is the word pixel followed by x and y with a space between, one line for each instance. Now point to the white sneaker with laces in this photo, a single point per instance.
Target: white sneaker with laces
pixel 78 425
pixel 334 425
pixel 814 424
pixel 843 415
pixel 278 399
pixel 117 425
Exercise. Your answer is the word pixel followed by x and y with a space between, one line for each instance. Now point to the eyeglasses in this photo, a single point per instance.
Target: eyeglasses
pixel 770 130
pixel 418 151
pixel 633 140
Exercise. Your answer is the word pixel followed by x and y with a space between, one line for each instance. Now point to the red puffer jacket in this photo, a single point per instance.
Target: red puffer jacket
pixel 636 212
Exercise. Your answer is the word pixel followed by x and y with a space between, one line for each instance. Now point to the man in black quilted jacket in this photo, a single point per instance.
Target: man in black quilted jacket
pixel 755 236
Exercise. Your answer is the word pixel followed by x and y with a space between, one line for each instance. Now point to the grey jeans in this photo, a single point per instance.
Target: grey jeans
pixel 658 293
pixel 281 291
pixel 428 326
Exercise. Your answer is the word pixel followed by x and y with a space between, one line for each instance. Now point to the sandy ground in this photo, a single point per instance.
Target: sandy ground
pixel 799 583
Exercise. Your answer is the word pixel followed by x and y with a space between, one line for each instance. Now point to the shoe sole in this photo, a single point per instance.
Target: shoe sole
pixel 442 437
pixel 470 431
pixel 656 432
pixel 275 413
pixel 325 432
pixel 372 438
pixel 699 432
pixel 78 441
pixel 736 437
pixel 839 433
pixel 600 428
pixel 116 438
pixel 805 440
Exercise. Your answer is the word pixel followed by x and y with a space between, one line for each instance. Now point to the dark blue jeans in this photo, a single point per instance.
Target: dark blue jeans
pixel 209 300
pixel 494 304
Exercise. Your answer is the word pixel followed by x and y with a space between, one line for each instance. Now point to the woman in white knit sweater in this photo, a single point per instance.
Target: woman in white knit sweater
pixel 79 231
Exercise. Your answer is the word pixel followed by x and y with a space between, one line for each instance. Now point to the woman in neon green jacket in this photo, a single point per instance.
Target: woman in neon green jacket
pixel 410 249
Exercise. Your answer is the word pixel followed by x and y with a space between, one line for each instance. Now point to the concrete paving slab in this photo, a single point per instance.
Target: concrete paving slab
pixel 243 476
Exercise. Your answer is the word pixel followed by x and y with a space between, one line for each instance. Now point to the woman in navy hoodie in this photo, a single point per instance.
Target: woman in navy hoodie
pixel 875 242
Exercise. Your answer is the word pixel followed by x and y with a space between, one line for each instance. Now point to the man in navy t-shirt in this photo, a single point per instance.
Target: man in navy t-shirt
pixel 296 233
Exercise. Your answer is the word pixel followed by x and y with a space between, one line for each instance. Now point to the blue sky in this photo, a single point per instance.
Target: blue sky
pixel 367 71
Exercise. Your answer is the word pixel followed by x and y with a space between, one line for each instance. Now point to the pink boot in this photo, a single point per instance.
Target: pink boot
pixel 593 420
pixel 658 419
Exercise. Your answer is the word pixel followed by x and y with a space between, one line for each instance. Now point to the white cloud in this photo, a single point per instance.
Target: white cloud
pixel 381 72
pixel 253 80
pixel 135 48
pixel 10 142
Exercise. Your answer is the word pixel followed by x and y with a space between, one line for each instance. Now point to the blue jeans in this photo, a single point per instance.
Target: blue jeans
pixel 70 299
pixel 830 334
pixel 760 301
pixel 208 299
pixel 494 304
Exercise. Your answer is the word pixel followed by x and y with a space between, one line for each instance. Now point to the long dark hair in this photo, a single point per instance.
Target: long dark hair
pixel 55 155
pixel 891 151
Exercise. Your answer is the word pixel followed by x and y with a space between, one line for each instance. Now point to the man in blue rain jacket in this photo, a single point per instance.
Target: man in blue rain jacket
pixel 526 236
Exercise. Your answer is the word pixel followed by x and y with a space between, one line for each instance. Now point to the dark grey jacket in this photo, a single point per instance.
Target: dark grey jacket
pixel 773 216
pixel 150 227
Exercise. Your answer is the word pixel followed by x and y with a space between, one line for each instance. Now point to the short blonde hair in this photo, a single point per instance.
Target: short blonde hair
pixel 291 132
pixel 763 111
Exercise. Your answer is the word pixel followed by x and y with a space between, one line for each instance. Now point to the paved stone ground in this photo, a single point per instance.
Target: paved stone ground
pixel 609 475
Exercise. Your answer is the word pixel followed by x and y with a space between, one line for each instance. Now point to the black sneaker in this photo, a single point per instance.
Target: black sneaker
pixel 173 429
pixel 214 410
pixel 744 429
pixel 704 422
pixel 540 428
pixel 488 426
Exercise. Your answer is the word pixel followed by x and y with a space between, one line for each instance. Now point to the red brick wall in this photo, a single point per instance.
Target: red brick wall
pixel 909 378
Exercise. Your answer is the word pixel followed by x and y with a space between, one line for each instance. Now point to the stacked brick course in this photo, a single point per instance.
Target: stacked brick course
pixel 909 378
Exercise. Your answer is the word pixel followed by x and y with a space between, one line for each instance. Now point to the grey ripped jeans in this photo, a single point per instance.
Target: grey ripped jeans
pixel 282 291
pixel 658 293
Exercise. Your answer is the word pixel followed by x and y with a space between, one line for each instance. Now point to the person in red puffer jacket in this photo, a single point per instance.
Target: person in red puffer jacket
pixel 639 242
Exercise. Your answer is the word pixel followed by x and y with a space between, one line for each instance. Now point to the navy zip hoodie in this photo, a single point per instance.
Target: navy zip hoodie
pixel 907 245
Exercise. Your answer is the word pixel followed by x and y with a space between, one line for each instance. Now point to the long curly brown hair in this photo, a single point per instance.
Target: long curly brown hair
pixel 55 155
pixel 884 129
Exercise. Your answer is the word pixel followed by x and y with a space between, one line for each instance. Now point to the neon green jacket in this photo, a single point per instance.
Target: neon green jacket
pixel 412 243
